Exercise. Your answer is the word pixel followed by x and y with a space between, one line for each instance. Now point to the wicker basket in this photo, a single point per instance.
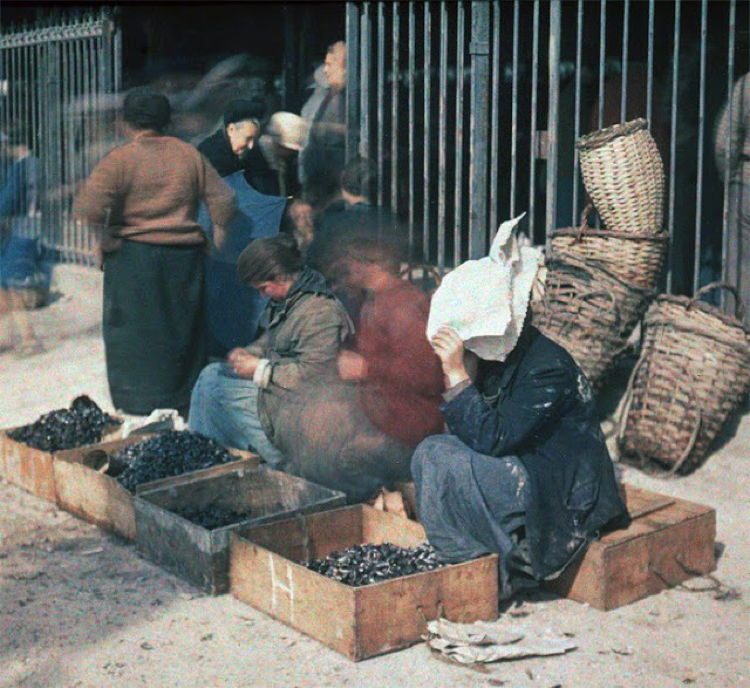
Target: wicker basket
pixel 693 372
pixel 624 175
pixel 588 311
pixel 636 259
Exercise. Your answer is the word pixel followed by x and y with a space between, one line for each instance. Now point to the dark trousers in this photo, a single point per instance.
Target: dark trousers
pixel 153 322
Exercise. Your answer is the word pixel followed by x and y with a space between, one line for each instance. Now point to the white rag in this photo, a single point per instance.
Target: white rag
pixel 485 301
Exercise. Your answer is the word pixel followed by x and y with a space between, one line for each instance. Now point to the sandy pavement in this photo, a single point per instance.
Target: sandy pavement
pixel 81 608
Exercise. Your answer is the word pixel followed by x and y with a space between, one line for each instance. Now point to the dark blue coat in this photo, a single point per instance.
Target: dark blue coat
pixel 538 406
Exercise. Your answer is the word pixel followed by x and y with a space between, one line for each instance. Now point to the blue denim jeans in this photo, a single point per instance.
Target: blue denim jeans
pixel 224 407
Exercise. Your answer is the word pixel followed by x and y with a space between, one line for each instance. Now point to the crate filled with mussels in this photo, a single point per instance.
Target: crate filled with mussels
pixel 361 581
pixel 27 452
pixel 98 483
pixel 185 527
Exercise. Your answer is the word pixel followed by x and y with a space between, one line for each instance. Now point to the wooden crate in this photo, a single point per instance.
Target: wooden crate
pixel 668 541
pixel 200 555
pixel 357 622
pixel 100 499
pixel 32 469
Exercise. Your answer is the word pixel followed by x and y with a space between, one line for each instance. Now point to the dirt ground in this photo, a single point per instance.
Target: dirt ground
pixel 81 608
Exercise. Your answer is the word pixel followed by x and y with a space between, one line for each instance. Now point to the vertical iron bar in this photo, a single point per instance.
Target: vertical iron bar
pixel 577 114
pixel 28 123
pixel 514 114
pixel 4 109
pixel 602 58
pixel 650 69
pixel 701 132
pixel 624 71
pixel 381 100
pixel 426 132
pixel 495 134
pixel 728 143
pixel 673 138
pixel 66 139
pixel 480 67
pixel 352 79
pixel 442 134
pixel 459 177
pixel 395 83
pixel 553 116
pixel 532 129
pixel 364 129
pixel 412 114
pixel 117 58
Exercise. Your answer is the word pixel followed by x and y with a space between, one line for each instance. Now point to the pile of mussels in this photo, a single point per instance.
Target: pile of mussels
pixel 366 564
pixel 83 423
pixel 167 454
pixel 215 516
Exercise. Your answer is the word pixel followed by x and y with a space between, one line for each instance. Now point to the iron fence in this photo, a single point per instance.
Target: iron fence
pixel 471 111
pixel 57 86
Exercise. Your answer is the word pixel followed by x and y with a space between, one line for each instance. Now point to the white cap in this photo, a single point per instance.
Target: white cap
pixel 289 129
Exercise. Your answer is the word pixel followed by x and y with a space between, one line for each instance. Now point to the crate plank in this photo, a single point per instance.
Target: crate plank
pixel 356 622
pixel 669 541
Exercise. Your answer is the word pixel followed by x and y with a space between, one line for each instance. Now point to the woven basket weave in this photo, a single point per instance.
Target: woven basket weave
pixel 636 259
pixel 624 176
pixel 588 311
pixel 693 371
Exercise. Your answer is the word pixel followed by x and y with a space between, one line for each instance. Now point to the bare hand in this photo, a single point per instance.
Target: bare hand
pixel 352 366
pixel 450 350
pixel 243 362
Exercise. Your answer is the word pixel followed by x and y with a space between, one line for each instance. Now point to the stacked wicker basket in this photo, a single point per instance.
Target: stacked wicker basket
pixel 692 374
pixel 600 282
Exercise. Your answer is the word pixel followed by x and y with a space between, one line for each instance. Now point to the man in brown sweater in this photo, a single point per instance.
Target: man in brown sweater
pixel 143 199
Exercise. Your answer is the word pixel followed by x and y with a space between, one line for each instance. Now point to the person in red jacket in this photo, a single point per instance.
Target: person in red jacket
pixel 358 435
pixel 400 376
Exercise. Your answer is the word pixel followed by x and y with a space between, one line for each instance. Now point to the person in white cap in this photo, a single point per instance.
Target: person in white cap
pixel 285 135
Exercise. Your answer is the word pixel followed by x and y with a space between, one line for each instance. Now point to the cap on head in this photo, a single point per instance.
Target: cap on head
pixel 146 109
pixel 243 109
pixel 288 129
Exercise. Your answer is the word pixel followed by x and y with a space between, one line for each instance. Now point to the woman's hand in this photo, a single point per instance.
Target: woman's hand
pixel 243 362
pixel 352 366
pixel 450 350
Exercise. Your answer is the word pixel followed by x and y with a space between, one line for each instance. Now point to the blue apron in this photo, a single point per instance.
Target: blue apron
pixel 232 308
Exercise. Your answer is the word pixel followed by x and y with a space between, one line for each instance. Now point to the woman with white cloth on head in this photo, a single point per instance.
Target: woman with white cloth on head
pixel 524 471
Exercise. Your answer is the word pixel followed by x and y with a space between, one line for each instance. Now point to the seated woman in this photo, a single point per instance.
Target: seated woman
pixel 525 471
pixel 238 402
pixel 359 435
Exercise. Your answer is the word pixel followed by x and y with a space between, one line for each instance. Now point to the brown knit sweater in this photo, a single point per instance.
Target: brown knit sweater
pixel 149 189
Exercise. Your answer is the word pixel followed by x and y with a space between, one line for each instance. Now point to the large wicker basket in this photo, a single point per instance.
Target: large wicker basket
pixel 636 259
pixel 624 176
pixel 693 372
pixel 589 312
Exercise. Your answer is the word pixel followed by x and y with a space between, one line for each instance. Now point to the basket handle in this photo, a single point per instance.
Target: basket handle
pixel 602 292
pixel 626 403
pixel 588 209
pixel 739 308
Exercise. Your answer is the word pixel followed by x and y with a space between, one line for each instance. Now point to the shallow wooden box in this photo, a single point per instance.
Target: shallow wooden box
pixel 669 541
pixel 357 622
pixel 100 499
pixel 200 555
pixel 32 469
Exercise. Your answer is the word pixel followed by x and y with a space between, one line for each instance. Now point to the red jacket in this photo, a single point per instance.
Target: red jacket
pixel 402 392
